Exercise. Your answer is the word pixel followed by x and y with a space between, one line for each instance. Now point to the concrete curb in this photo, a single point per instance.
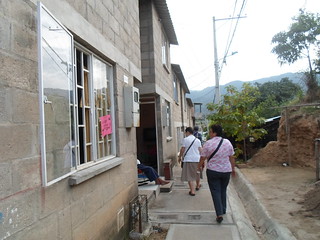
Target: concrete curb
pixel 269 228
pixel 240 216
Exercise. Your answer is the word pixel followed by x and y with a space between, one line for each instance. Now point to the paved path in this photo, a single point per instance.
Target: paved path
pixel 193 217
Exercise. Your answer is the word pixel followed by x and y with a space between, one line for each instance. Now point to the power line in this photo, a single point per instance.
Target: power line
pixel 234 10
pixel 196 74
pixel 234 31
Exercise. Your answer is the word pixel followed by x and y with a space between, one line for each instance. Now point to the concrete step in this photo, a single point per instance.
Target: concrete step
pixel 151 190
pixel 167 187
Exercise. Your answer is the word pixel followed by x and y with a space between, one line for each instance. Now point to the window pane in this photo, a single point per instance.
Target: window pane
pixel 57 79
pixel 102 105
pixel 83 101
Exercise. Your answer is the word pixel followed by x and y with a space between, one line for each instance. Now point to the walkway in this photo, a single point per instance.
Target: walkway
pixel 193 217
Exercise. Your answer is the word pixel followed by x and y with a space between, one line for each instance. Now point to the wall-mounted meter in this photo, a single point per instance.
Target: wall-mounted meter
pixel 131 107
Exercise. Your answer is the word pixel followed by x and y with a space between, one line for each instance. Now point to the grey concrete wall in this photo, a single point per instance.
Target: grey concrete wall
pixel 88 210
pixel 147 45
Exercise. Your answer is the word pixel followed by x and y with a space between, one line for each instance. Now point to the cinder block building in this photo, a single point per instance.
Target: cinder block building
pixel 182 106
pixel 67 162
pixel 162 90
pixel 86 87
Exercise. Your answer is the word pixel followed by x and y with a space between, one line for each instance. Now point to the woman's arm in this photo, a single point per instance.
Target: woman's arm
pixel 233 164
pixel 181 154
pixel 200 164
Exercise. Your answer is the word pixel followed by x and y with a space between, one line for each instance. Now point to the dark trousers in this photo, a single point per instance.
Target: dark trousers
pixel 148 171
pixel 218 183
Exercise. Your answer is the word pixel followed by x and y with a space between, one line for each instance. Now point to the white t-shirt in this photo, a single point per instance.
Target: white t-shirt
pixel 193 155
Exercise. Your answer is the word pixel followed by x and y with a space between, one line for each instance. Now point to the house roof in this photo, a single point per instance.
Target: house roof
pixel 272 119
pixel 177 70
pixel 163 11
pixel 189 101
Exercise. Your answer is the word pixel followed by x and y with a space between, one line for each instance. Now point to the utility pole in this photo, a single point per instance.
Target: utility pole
pixel 216 66
pixel 216 99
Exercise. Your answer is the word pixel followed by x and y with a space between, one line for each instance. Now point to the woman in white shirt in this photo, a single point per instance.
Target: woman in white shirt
pixel 190 151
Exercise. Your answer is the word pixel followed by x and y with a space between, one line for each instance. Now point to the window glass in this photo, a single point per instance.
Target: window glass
pixel 175 89
pixel 165 51
pixel 83 107
pixel 76 98
pixel 56 79
pixel 168 118
pixel 102 95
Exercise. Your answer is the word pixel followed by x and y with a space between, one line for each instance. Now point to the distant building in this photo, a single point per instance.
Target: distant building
pixel 162 90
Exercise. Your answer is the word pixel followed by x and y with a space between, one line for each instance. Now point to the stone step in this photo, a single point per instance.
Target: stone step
pixel 167 187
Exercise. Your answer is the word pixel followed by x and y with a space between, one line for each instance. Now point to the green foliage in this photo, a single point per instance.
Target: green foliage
pixel 275 94
pixel 297 41
pixel 313 89
pixel 301 39
pixel 236 113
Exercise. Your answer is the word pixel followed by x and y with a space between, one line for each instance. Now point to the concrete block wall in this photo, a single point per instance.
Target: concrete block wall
pixel 157 79
pixel 147 43
pixel 88 210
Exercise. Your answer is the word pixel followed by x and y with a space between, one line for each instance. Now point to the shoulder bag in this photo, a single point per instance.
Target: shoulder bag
pixel 215 151
pixel 187 152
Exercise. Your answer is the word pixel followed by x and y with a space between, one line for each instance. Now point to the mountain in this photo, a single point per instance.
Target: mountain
pixel 206 95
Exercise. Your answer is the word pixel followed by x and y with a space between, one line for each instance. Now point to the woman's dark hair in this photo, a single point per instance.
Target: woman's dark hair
pixel 216 129
pixel 189 129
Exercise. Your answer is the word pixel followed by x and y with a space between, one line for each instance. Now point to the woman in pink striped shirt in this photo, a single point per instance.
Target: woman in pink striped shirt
pixel 219 168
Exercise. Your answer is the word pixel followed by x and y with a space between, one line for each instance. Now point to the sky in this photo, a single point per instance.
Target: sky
pixel 193 24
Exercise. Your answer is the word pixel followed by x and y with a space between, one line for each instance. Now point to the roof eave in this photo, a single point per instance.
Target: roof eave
pixel 163 11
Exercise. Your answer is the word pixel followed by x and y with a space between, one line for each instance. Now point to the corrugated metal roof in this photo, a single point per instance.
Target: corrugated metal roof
pixel 163 11
pixel 177 70
pixel 272 119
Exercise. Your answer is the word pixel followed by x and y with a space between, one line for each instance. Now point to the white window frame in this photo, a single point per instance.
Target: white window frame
pixel 168 118
pixel 175 89
pixel 93 118
pixel 165 51
pixel 43 99
pixel 73 89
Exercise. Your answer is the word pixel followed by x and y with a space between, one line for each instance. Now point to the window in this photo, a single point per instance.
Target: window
pixel 168 118
pixel 75 94
pixel 175 89
pixel 93 102
pixel 165 51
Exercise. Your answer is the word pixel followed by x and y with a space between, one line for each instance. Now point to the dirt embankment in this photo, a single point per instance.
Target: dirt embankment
pixel 296 135
pixel 290 192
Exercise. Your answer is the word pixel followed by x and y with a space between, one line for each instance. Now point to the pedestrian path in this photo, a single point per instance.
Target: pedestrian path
pixel 193 217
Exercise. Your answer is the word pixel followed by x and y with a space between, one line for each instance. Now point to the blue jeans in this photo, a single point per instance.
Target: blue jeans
pixel 218 183
pixel 148 171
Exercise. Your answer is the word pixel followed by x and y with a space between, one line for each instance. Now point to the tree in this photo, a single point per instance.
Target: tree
pixel 298 42
pixel 237 115
pixel 275 94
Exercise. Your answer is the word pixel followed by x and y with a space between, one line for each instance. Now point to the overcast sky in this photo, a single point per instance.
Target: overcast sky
pixel 193 24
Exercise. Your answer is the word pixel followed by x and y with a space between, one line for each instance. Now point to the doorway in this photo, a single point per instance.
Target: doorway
pixel 147 151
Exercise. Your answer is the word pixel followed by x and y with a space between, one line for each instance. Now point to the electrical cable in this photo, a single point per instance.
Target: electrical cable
pixel 233 34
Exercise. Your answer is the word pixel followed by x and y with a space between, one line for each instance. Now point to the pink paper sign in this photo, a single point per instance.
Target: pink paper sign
pixel 106 125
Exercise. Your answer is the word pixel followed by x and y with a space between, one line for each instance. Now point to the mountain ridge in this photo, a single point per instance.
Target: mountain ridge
pixel 206 95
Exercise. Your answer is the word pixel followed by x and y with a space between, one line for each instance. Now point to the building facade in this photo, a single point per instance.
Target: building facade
pixel 86 87
pixel 162 90
pixel 183 106
pixel 68 161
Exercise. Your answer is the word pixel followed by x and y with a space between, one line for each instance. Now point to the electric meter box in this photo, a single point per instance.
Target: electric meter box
pixel 131 107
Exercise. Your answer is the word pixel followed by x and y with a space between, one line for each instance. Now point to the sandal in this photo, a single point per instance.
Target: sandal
pixel 198 188
pixel 219 219
pixel 191 194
